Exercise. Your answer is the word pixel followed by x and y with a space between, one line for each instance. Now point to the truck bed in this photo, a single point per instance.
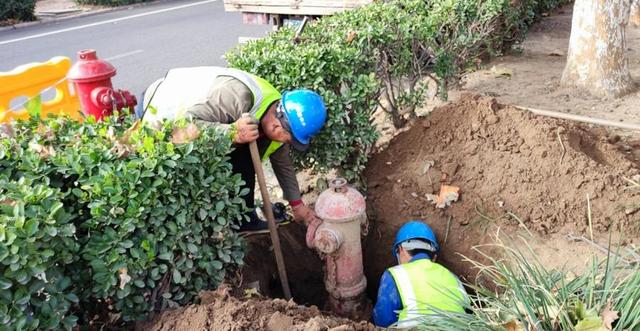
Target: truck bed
pixel 293 7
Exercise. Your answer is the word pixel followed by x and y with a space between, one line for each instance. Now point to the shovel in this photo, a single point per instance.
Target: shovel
pixel 268 212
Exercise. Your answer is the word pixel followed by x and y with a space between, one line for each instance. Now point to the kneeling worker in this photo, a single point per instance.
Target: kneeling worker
pixel 417 286
pixel 224 97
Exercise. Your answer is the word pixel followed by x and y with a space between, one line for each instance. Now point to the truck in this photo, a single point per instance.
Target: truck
pixel 287 12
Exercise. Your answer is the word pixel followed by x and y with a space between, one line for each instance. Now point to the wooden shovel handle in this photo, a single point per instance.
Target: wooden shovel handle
pixel 268 212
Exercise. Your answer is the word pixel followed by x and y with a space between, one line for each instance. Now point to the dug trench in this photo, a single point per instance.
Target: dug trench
pixel 531 177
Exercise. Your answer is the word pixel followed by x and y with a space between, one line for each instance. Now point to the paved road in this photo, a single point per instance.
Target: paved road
pixel 142 43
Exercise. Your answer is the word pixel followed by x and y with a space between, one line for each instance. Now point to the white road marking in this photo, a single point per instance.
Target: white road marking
pixel 119 56
pixel 244 40
pixel 106 22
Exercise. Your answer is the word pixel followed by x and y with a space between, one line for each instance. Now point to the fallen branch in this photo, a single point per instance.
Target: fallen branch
pixel 564 150
pixel 589 217
pixel 634 184
pixel 604 249
pixel 579 118
pixel 446 234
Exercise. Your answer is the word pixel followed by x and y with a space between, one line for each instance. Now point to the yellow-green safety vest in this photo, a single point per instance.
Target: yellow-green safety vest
pixel 264 94
pixel 426 288
pixel 163 92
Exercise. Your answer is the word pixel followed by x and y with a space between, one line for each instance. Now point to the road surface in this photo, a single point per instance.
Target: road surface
pixel 142 43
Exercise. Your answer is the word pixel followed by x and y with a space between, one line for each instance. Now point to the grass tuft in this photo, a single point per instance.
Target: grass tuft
pixel 522 294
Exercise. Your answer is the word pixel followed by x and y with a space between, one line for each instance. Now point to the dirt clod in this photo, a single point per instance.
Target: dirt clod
pixel 279 321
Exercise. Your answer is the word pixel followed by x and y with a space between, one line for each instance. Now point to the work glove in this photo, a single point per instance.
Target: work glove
pixel 302 213
pixel 245 130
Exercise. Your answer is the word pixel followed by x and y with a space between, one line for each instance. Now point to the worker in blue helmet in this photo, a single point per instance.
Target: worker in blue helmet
pixel 249 109
pixel 417 286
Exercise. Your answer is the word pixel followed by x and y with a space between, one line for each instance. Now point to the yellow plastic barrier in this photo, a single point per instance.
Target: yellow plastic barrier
pixel 28 82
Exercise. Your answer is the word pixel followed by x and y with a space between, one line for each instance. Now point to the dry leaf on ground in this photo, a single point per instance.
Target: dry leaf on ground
pixel 447 196
pixel 428 165
pixel 608 316
pixel 501 72
pixel 513 325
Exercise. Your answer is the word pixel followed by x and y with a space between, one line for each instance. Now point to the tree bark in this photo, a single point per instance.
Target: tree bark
pixel 597 60
pixel 634 18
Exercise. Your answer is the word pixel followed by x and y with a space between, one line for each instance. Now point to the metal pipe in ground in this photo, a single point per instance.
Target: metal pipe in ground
pixel 580 118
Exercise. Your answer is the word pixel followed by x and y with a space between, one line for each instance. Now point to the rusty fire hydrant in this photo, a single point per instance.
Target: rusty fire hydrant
pixel 91 78
pixel 342 210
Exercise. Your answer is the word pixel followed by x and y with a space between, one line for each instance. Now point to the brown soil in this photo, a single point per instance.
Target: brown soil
pixel 505 161
pixel 219 311
pixel 532 77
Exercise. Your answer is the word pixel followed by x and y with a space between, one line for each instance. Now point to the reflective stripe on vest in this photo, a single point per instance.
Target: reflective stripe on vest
pixel 193 86
pixel 425 288
pixel 268 95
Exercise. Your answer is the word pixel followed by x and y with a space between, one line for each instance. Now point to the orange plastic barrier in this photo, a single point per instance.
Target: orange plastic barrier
pixel 28 82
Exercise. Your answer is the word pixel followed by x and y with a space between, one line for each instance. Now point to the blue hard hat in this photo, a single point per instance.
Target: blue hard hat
pixel 415 230
pixel 306 114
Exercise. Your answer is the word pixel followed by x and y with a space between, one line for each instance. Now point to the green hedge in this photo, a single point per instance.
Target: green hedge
pixel 20 10
pixel 98 217
pixel 110 2
pixel 379 55
pixel 37 242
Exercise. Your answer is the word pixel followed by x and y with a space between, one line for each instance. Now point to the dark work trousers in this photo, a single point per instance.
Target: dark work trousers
pixel 242 164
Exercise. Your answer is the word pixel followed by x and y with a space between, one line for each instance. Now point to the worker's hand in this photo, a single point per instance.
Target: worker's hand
pixel 302 213
pixel 246 130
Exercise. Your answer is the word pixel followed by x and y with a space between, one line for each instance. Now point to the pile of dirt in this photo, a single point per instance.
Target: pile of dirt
pixel 514 169
pixel 220 311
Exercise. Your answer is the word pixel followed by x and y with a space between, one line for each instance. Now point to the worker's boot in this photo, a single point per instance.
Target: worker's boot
pixel 258 225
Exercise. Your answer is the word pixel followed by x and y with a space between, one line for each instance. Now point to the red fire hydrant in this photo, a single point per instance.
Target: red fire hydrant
pixel 91 78
pixel 343 213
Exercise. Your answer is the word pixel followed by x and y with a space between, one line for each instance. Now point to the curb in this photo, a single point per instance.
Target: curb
pixel 47 20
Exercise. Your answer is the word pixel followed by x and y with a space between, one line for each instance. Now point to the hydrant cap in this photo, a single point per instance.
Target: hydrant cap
pixel 340 202
pixel 89 68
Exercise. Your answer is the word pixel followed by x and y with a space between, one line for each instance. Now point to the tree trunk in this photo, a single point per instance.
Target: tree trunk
pixel 596 60
pixel 634 18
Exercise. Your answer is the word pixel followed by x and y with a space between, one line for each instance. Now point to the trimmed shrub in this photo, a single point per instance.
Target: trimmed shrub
pixel 20 10
pixel 36 233
pixel 340 72
pixel 121 219
pixel 519 16
pixel 379 55
pixel 110 2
